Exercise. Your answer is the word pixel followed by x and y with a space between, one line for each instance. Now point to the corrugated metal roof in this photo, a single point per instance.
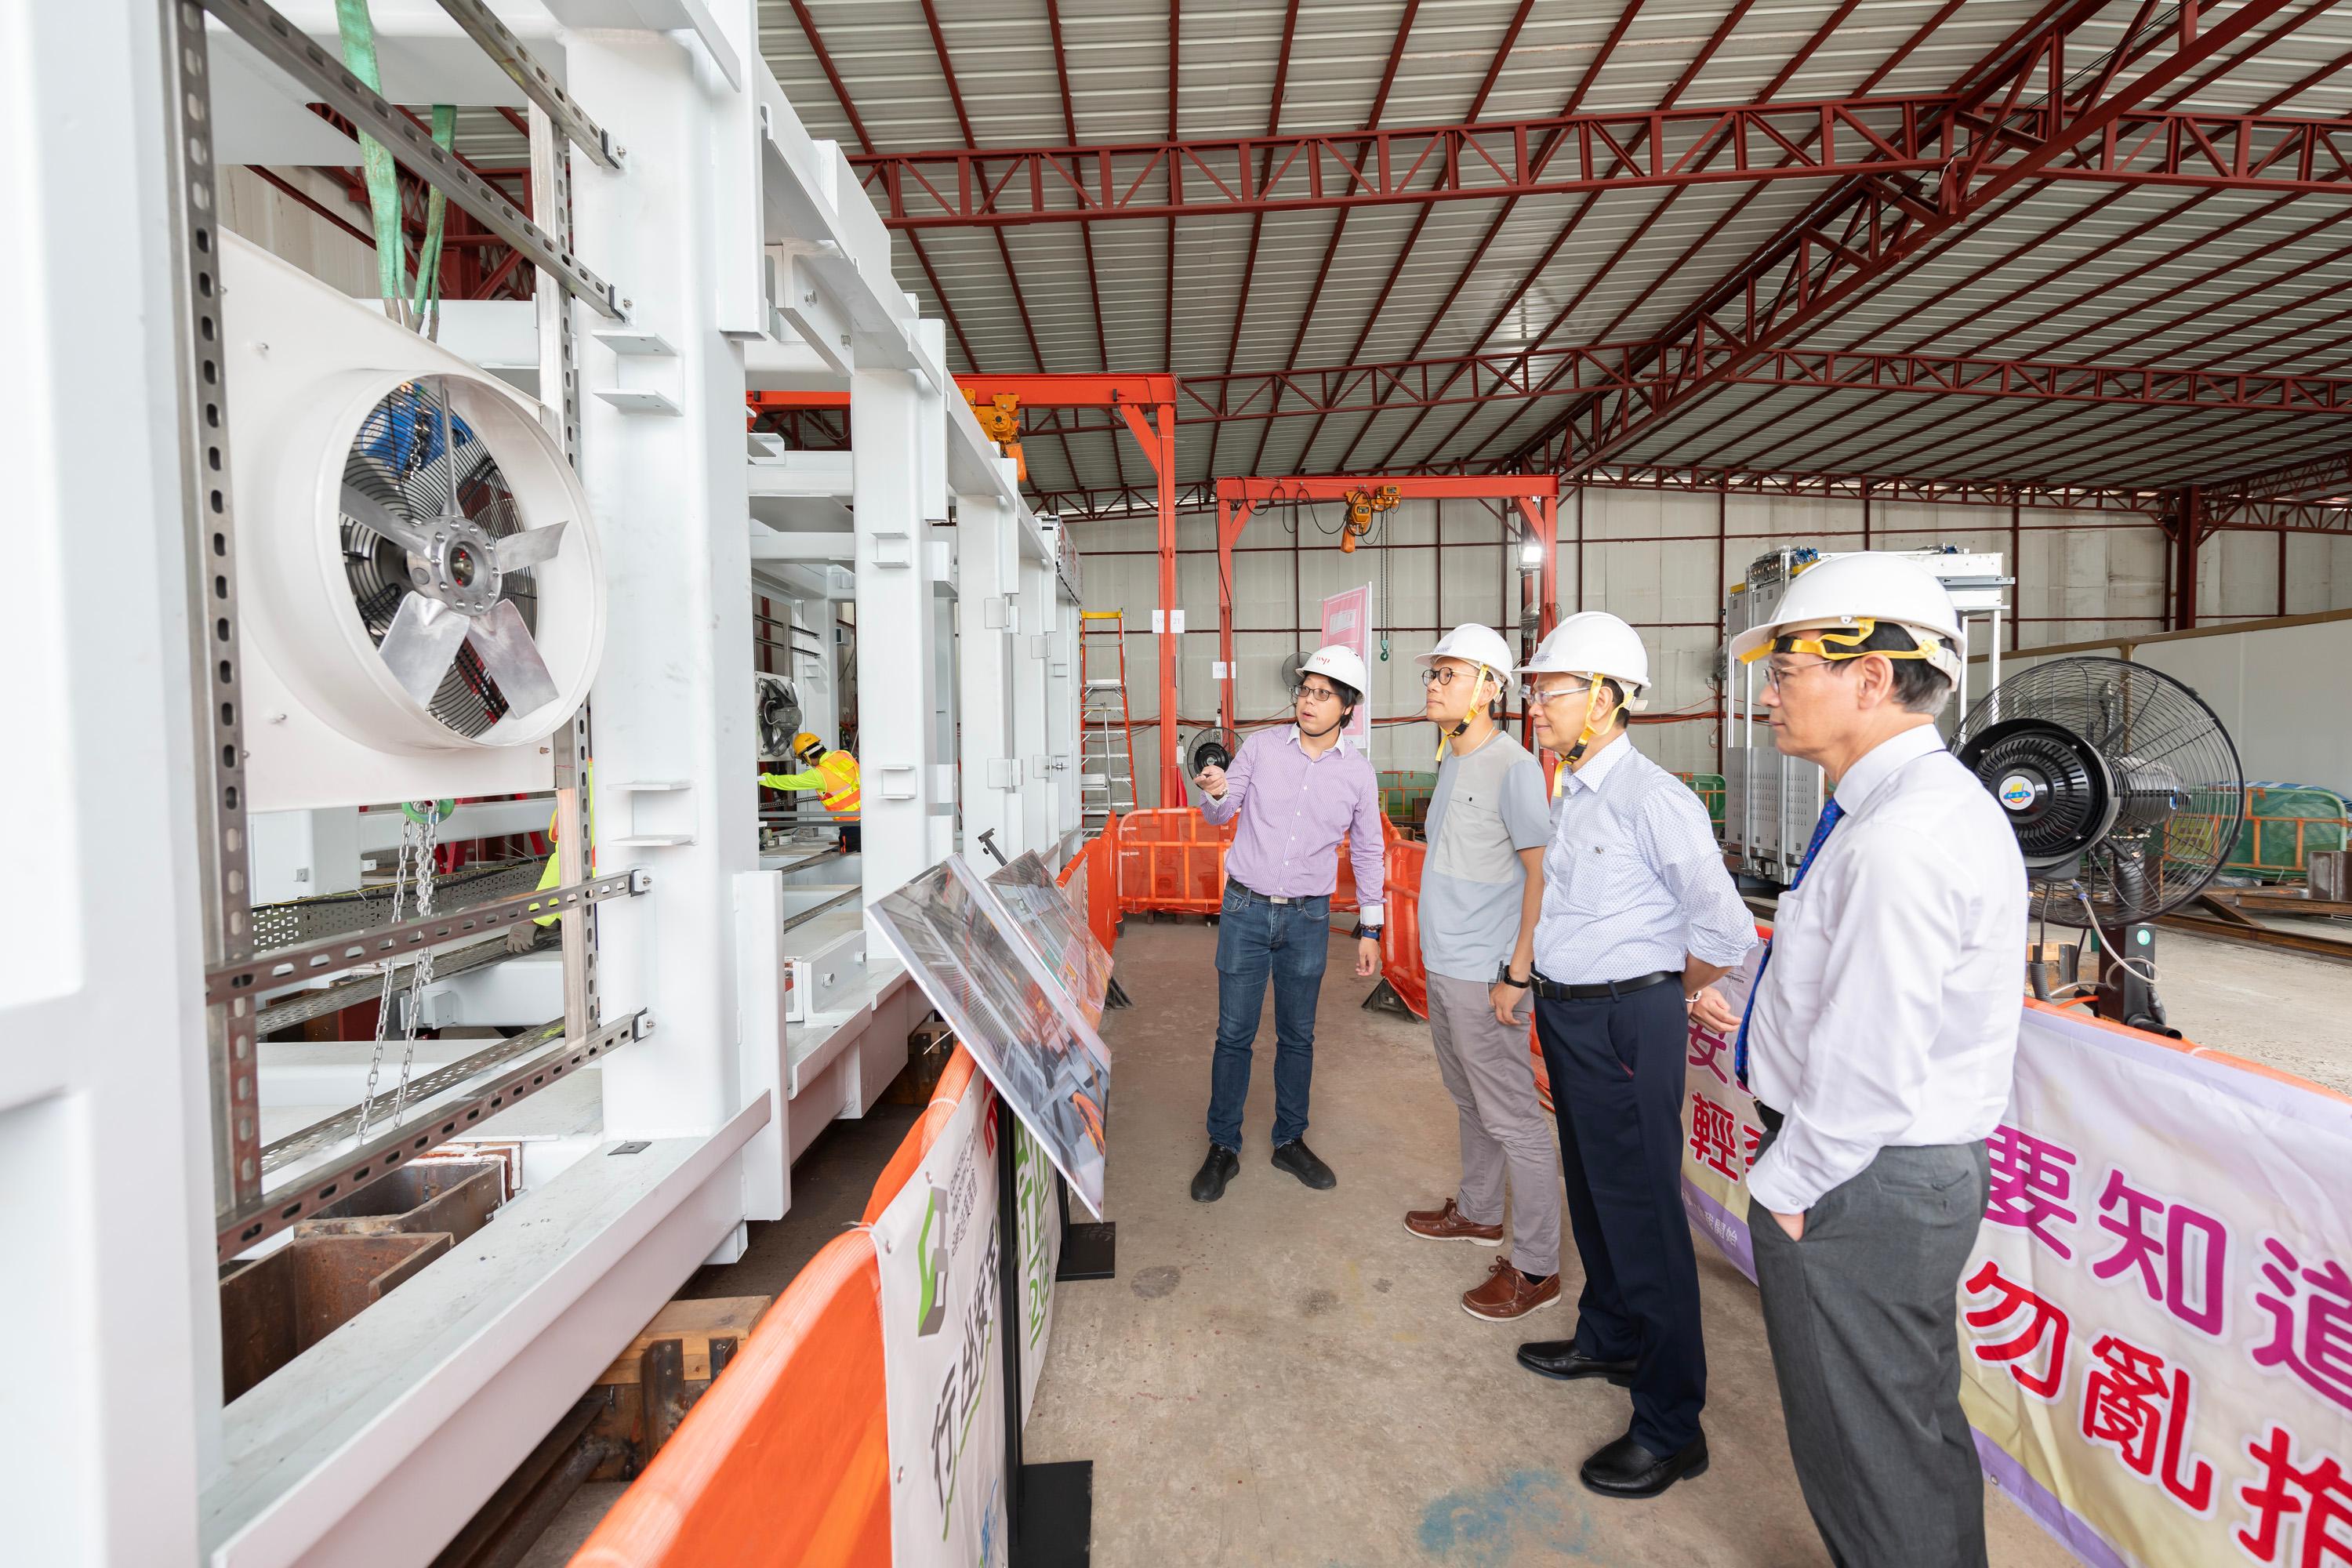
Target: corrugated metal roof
pixel 2065 270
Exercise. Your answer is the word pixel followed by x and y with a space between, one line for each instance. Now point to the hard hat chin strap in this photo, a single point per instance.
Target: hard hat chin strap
pixel 1446 737
pixel 1599 712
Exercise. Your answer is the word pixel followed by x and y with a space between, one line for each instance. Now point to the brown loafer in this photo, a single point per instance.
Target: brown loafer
pixel 1447 1225
pixel 1508 1294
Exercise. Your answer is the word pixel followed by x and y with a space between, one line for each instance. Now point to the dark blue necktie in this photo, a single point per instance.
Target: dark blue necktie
pixel 1831 815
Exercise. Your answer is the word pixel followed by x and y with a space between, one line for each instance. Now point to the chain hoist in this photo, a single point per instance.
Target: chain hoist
pixel 420 831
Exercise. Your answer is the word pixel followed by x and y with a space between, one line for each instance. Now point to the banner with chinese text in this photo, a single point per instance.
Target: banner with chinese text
pixel 2157 1323
pixel 937 1243
pixel 1348 620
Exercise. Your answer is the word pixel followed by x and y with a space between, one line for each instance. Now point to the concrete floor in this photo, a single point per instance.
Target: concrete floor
pixel 2286 1010
pixel 1287 1376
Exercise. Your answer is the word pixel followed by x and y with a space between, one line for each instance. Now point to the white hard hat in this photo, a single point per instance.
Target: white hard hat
pixel 1870 585
pixel 1472 644
pixel 1337 662
pixel 1594 642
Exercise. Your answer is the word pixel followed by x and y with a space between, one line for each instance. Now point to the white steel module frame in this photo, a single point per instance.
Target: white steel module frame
pixel 709 231
pixel 1770 801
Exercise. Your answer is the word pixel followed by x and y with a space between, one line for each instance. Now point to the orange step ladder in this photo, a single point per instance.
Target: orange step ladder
pixel 1107 738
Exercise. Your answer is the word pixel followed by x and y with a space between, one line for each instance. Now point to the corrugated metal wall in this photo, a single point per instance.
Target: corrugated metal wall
pixel 1655 558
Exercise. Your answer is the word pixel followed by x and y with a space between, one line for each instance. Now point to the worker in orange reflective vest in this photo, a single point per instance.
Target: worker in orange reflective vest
pixel 833 773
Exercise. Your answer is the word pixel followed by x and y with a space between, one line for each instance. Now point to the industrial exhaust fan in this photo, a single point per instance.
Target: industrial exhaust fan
pixel 417 573
pixel 2123 789
pixel 776 711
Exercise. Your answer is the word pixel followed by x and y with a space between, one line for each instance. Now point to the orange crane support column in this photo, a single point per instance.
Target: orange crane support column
pixel 1132 396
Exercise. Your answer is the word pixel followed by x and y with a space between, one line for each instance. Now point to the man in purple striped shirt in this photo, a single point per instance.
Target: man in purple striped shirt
pixel 1298 791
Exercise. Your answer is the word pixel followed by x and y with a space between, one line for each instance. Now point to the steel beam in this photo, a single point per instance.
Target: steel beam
pixel 1120 503
pixel 1535 495
pixel 425 1126
pixel 1086 236
pixel 329 955
pixel 1338 224
pixel 1645 372
pixel 483 27
pixel 1672 97
pixel 286 46
pixel 1998 142
pixel 1768 268
pixel 965 187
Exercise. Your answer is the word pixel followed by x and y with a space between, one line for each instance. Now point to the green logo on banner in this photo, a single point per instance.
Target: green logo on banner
pixel 932 1259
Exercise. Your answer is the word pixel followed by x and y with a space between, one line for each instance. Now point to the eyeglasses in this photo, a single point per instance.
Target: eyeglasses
pixel 1562 693
pixel 1779 671
pixel 1434 676
pixel 1315 694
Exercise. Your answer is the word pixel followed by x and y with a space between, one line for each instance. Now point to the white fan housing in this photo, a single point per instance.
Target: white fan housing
pixel 328 720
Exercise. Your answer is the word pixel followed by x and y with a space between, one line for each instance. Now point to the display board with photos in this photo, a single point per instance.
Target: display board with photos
pixel 1011 1008
pixel 1055 929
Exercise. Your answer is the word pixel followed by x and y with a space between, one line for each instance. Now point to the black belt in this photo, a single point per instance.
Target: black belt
pixel 1254 896
pixel 1608 990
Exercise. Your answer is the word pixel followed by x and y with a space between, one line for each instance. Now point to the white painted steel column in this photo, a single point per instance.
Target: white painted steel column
pixel 898 471
pixel 1065 676
pixel 1031 746
pixel 109 1289
pixel 989 610
pixel 672 702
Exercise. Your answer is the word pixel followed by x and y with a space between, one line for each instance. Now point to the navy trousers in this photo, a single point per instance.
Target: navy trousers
pixel 1616 1069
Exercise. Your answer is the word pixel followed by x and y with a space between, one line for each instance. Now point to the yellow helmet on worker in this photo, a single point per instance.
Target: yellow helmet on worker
pixel 1845 601
pixel 808 744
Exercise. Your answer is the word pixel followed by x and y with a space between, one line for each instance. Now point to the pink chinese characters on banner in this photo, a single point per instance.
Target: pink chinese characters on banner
pixel 1348 620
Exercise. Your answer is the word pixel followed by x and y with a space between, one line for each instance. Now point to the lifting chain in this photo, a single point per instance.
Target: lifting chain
pixel 419 840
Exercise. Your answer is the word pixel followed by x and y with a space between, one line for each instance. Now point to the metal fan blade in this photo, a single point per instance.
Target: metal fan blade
pixel 530 546
pixel 503 644
pixel 373 515
pixel 423 639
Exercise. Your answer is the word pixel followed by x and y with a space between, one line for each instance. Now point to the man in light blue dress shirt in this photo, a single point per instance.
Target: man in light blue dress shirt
pixel 1638 914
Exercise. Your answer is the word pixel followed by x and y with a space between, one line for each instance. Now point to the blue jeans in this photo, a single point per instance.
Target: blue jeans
pixel 1258 942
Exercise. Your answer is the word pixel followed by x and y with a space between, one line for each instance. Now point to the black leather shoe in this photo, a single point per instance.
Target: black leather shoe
pixel 1297 1159
pixel 1209 1181
pixel 1626 1469
pixel 1557 1358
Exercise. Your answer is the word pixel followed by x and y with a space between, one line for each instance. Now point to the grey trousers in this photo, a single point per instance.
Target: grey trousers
pixel 1862 1318
pixel 1491 1075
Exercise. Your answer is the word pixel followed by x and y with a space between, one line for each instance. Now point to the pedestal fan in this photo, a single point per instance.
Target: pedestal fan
pixel 2124 791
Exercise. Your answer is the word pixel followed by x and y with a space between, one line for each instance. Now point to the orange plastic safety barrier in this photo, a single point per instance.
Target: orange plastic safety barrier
pixel 786 1461
pixel 1172 860
pixel 1101 865
pixel 1401 925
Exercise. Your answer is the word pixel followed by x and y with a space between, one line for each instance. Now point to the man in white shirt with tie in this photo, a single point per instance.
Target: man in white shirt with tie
pixel 1878 1044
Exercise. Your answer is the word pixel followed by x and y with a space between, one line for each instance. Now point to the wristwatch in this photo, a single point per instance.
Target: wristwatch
pixel 1363 931
pixel 1503 976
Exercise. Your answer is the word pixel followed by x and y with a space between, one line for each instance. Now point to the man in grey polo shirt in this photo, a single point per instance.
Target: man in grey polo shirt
pixel 1481 892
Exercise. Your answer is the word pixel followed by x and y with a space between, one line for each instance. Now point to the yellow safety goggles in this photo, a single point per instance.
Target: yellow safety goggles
pixel 1838 645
